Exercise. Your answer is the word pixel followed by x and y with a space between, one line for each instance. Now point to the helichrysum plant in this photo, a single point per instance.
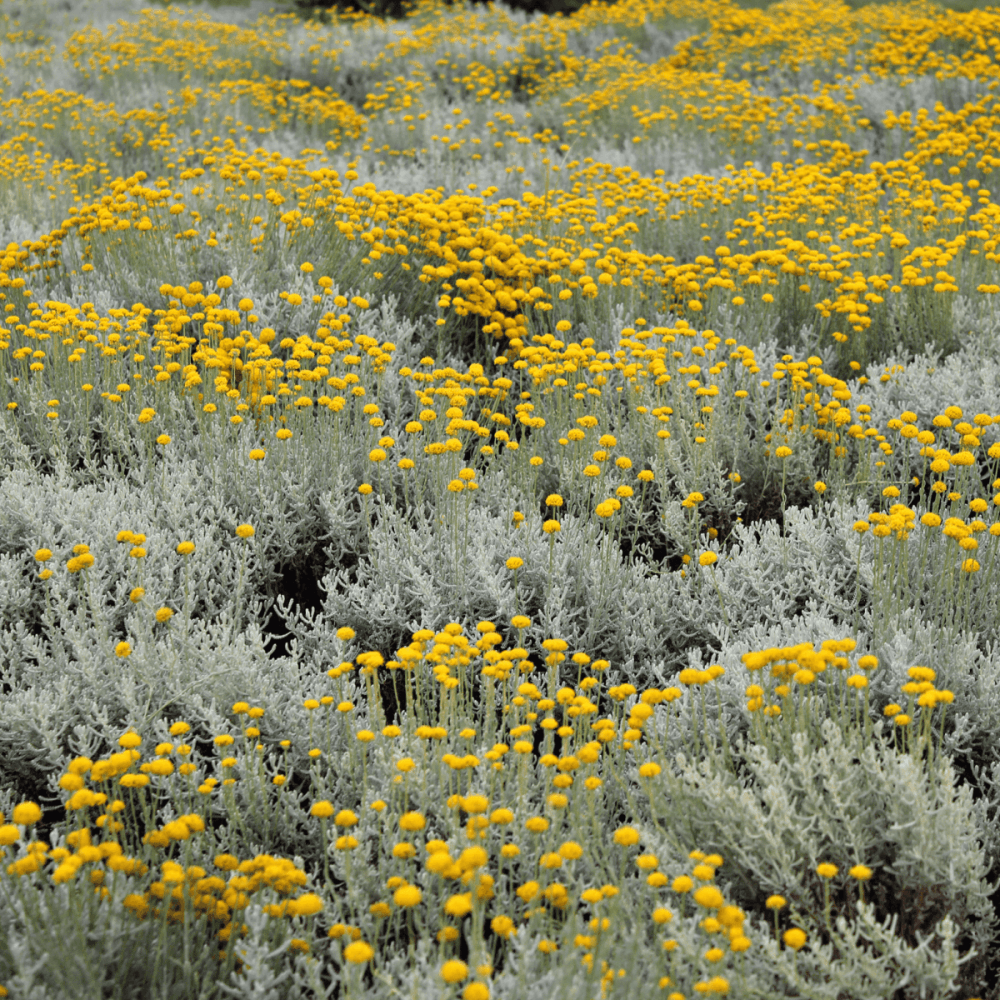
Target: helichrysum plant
pixel 499 506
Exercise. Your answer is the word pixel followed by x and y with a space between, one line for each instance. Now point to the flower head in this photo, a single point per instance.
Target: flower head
pixel 27 813
pixel 795 938
pixel 626 836
pixel 454 971
pixel 407 895
pixel 358 952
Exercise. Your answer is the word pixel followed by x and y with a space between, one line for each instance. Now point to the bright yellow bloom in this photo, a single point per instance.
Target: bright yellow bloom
pixel 26 813
pixel 358 952
pixel 454 971
pixel 795 938
pixel 626 836
pixel 407 895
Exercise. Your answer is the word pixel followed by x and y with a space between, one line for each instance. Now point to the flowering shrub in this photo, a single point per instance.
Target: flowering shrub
pixel 461 535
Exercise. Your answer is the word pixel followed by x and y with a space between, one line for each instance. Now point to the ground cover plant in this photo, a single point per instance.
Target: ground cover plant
pixel 498 505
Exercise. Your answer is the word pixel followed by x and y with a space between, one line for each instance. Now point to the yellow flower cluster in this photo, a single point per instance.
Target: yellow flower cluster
pixel 491 857
pixel 777 238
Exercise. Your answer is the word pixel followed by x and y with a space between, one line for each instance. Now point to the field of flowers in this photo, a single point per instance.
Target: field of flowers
pixel 497 506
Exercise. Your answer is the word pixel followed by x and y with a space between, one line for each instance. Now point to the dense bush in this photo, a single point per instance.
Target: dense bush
pixel 499 506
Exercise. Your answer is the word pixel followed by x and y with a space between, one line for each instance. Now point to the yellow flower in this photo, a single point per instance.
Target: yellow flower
pixel 123 649
pixel 708 559
pixel 626 836
pixel 407 895
pixel 245 531
pixel 185 548
pixel 412 821
pixel 571 850
pixel 454 971
pixel 795 938
pixel 861 872
pixel 321 809
pixel 358 952
pixel 27 813
pixel 709 897
pixel 475 804
pixel 827 870
pixel 458 905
